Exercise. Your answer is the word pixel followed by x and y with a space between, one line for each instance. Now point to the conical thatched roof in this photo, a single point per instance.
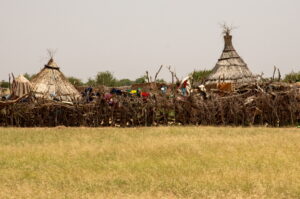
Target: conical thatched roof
pixel 21 86
pixel 230 67
pixel 50 83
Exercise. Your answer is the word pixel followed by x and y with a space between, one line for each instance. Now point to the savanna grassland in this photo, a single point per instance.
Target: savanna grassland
pixel 162 162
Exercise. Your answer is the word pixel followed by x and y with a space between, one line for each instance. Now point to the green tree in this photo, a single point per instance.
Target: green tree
pixel 292 77
pixel 160 81
pixel 124 82
pixel 29 77
pixel 91 82
pixel 4 84
pixel 140 80
pixel 75 81
pixel 200 75
pixel 105 78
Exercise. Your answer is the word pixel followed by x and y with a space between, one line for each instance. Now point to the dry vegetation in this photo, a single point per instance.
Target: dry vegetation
pixel 162 162
pixel 268 103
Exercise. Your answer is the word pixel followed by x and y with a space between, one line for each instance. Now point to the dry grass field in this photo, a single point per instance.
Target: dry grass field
pixel 162 162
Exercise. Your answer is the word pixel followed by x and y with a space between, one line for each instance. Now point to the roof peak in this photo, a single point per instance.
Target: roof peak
pixel 52 64
pixel 228 46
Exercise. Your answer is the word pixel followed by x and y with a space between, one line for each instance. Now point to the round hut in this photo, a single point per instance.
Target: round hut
pixel 50 83
pixel 230 68
pixel 20 86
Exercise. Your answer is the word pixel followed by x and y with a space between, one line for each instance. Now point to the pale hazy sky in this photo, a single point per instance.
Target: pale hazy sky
pixel 129 37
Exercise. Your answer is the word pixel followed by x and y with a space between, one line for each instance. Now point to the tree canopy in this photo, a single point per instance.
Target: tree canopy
pixel 4 84
pixel 124 82
pixel 29 76
pixel 292 77
pixel 105 78
pixel 75 81
pixel 140 80
pixel 200 75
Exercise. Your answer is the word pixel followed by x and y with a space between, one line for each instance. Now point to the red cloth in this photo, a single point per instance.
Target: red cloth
pixel 145 94
pixel 107 96
pixel 185 83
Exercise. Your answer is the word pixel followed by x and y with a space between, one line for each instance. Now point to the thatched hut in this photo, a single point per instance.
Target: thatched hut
pixel 4 92
pixel 20 86
pixel 50 83
pixel 230 68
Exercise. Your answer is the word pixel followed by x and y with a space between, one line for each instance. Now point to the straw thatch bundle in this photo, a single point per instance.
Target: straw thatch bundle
pixel 230 67
pixel 50 83
pixel 4 91
pixel 21 86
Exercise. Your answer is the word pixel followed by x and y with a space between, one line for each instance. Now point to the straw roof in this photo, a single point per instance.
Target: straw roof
pixel 4 91
pixel 21 86
pixel 230 67
pixel 50 83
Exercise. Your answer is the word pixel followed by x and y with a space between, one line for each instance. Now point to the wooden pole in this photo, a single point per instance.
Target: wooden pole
pixel 157 72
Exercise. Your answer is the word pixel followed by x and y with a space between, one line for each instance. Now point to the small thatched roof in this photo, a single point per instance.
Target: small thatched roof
pixel 21 86
pixel 50 83
pixel 230 67
pixel 4 91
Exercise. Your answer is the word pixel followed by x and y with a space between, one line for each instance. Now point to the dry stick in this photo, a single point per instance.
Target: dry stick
pixel 169 68
pixel 157 72
pixel 279 74
pixel 177 79
pixel 147 75
pixel 274 73
pixel 173 90
pixel 9 85
pixel 174 73
pixel 51 53
pixel 13 101
pixel 227 29
pixel 12 84
pixel 13 76
pixel 261 75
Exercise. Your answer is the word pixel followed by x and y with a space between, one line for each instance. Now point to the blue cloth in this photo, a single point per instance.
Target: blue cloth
pixel 116 91
pixel 183 90
pixel 164 89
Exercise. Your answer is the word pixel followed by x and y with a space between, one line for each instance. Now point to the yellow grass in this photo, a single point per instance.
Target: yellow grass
pixel 163 162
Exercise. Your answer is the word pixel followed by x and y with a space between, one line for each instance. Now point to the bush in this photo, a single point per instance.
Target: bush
pixel 75 81
pixel 124 82
pixel 29 77
pixel 292 77
pixel 4 84
pixel 200 75
pixel 105 78
pixel 140 80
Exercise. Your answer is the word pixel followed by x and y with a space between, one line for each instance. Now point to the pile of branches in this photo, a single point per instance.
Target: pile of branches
pixel 272 104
